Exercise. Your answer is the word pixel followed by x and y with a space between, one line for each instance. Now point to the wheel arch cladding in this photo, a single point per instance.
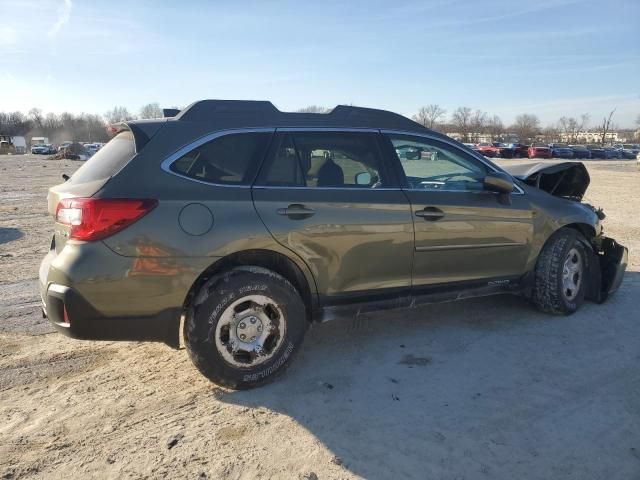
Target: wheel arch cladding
pixel 588 231
pixel 268 259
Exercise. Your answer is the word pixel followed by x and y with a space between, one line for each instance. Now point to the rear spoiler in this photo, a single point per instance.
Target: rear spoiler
pixel 142 130
pixel 170 112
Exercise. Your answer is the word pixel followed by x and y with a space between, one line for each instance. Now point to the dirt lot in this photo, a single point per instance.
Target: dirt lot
pixel 485 388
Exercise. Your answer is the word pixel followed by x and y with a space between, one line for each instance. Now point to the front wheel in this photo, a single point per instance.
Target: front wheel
pixel 244 327
pixel 561 273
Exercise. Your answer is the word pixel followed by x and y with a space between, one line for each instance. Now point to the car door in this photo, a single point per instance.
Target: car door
pixel 463 233
pixel 327 196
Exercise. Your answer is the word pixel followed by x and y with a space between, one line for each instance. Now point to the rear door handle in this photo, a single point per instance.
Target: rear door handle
pixel 430 214
pixel 296 211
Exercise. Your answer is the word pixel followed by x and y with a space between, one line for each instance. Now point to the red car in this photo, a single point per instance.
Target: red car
pixel 539 150
pixel 488 150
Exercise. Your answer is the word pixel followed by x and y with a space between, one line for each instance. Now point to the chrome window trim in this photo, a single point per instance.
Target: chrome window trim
pixel 182 151
pixel 297 187
pixel 478 157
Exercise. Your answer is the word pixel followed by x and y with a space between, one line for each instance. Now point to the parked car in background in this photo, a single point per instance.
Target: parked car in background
pixel 488 150
pixel 561 150
pixel 42 149
pixel 597 151
pixel 505 150
pixel 539 150
pixel 627 150
pixel 91 148
pixel 580 151
pixel 519 150
pixel 472 146
pixel 611 153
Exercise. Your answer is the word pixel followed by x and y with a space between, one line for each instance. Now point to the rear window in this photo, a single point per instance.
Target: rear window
pixel 229 160
pixel 107 161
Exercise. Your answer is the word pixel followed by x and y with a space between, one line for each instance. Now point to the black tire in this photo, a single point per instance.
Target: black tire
pixel 550 295
pixel 216 299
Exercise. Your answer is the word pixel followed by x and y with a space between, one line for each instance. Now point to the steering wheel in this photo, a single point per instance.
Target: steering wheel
pixel 445 177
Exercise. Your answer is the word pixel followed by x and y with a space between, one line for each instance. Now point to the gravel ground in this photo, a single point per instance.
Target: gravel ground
pixel 484 388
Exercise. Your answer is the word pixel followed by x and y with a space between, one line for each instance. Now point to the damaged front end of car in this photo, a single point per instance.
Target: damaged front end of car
pixel 607 272
pixel 570 180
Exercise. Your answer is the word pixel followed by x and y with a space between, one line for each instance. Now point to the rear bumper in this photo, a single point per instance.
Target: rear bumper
pixel 73 316
pixel 89 292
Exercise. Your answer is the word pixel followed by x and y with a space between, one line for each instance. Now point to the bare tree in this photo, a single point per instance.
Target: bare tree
pixel 35 114
pixel 495 127
pixel 14 123
pixel 314 109
pixel 118 114
pixel 571 127
pixel 428 116
pixel 50 124
pixel 461 120
pixel 606 125
pixel 479 120
pixel 526 126
pixel 551 134
pixel 151 110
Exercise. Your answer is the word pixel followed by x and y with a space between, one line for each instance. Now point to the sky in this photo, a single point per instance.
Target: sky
pixel 551 58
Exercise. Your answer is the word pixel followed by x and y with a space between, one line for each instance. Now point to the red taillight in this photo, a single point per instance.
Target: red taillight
pixel 92 219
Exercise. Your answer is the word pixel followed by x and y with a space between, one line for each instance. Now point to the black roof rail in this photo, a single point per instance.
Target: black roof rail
pixel 264 113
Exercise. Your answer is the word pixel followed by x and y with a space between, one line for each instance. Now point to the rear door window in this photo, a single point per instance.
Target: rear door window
pixel 107 161
pixel 325 159
pixel 227 160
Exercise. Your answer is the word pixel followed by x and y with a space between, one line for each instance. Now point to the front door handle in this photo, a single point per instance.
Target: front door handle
pixel 430 214
pixel 296 211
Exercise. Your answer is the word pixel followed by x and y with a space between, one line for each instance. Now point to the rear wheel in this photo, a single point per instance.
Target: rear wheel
pixel 561 273
pixel 244 327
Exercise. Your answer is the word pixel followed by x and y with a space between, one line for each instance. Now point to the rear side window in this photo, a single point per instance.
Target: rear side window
pixel 107 161
pixel 228 160
pixel 325 159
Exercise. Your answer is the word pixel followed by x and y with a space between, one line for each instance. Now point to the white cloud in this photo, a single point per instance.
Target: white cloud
pixel 64 14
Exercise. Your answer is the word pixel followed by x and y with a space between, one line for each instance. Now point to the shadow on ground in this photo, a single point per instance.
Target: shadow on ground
pixel 10 234
pixel 485 388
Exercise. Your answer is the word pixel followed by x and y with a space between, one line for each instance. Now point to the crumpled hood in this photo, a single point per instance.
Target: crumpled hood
pixel 567 179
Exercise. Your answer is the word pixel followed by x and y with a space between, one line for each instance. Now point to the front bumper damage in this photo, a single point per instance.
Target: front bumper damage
pixel 607 271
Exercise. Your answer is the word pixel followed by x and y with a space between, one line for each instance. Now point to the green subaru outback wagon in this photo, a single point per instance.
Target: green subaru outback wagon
pixel 242 225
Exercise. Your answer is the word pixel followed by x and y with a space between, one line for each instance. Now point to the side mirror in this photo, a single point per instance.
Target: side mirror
pixel 363 178
pixel 498 182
